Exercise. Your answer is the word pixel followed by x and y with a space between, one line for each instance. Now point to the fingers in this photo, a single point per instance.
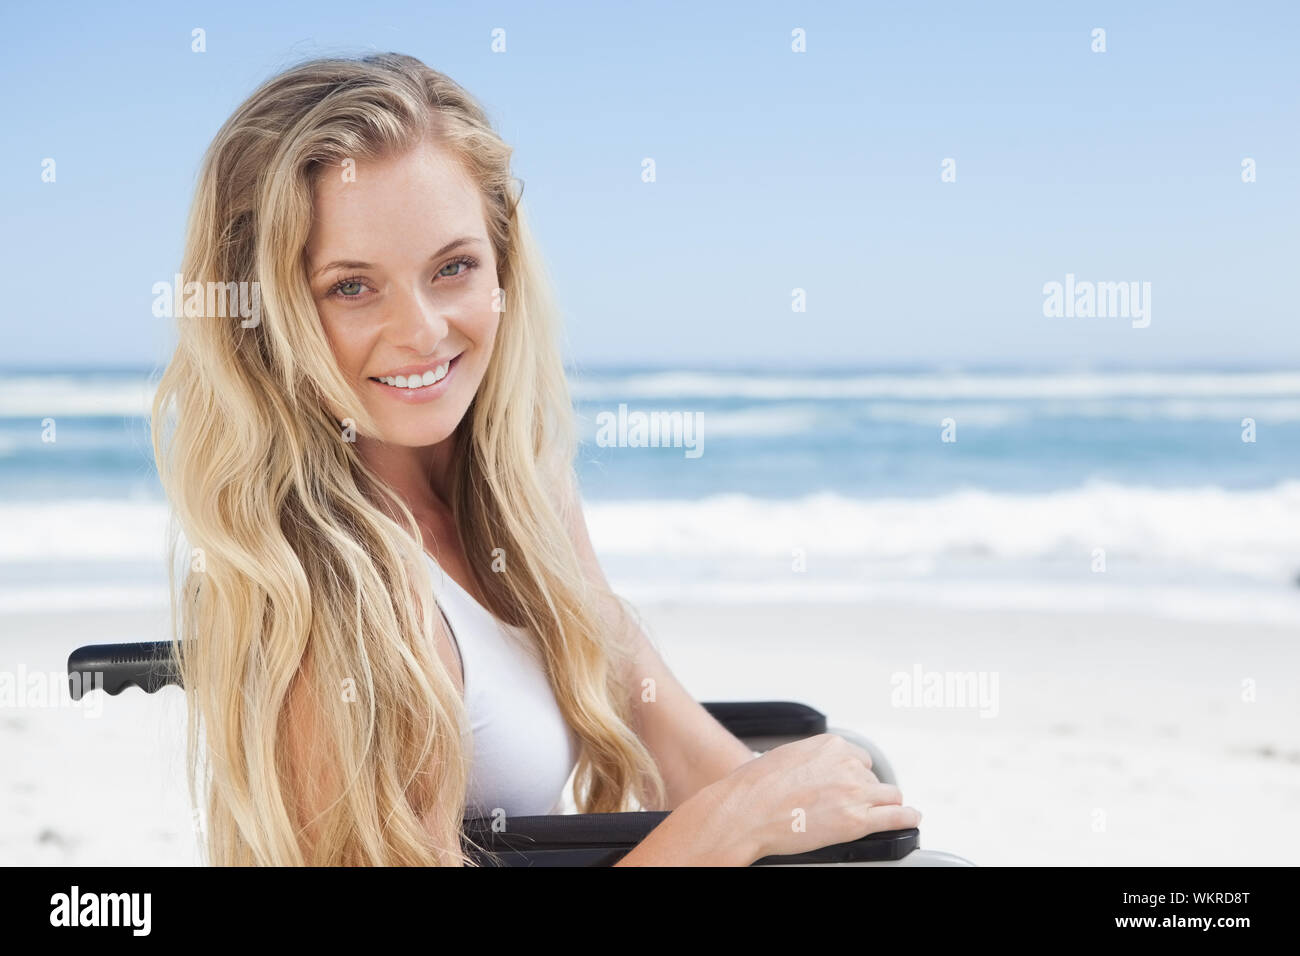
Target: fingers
pixel 862 755
pixel 857 751
pixel 889 817
pixel 839 744
pixel 878 794
pixel 827 743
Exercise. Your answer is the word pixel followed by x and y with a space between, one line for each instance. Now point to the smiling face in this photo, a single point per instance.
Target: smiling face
pixel 404 279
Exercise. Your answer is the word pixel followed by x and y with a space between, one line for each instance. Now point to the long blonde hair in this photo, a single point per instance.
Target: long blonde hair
pixel 304 566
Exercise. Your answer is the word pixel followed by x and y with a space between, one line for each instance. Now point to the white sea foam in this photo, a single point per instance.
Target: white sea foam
pixel 76 530
pixel 1275 395
pixel 594 386
pixel 1250 533
pixel 1253 532
pixel 1188 548
pixel 92 396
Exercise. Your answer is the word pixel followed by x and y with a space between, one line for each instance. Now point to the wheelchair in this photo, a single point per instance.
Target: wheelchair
pixel 575 839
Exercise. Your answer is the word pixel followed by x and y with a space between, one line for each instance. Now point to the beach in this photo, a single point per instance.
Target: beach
pixel 1072 632
pixel 1118 739
pixel 1111 738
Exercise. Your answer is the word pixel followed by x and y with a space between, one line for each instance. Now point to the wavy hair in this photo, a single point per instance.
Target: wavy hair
pixel 303 570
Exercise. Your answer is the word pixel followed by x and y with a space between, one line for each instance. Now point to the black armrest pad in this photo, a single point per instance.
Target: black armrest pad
pixel 564 830
pixel 768 718
pixel 602 839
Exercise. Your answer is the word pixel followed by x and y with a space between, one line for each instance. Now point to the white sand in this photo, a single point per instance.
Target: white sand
pixel 1133 725
pixel 84 789
pixel 1117 740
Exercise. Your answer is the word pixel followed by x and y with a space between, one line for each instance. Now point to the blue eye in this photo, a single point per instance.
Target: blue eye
pixel 353 287
pixel 338 290
pixel 467 261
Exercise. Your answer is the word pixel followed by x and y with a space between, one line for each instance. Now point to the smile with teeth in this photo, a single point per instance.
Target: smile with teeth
pixel 431 377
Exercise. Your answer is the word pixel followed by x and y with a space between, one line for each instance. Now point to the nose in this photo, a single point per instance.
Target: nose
pixel 416 322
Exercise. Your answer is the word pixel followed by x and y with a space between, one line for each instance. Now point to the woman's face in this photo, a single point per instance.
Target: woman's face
pixel 405 281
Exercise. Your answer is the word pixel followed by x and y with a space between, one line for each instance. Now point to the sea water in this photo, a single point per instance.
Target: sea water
pixel 982 488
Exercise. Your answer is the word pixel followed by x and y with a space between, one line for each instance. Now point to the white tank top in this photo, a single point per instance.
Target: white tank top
pixel 524 750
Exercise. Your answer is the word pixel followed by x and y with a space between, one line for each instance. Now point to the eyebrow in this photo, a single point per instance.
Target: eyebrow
pixel 356 264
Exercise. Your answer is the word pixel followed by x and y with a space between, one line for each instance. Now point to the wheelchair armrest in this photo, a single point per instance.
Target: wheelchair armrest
pixel 602 839
pixel 768 718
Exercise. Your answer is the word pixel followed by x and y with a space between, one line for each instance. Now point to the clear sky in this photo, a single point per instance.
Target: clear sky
pixel 776 170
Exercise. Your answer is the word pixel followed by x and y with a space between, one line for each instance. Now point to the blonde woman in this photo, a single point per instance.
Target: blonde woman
pixel 394 616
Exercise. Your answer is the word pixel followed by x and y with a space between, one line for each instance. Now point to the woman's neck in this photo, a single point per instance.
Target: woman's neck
pixel 418 475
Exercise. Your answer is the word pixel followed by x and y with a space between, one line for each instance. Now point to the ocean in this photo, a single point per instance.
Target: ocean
pixel 1083 490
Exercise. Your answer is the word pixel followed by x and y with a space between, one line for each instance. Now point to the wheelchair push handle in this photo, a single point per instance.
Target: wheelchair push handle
pixel 113 667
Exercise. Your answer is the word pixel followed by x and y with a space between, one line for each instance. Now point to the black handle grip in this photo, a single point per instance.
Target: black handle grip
pixel 148 666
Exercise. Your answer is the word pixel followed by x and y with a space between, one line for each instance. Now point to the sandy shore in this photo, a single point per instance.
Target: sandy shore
pixel 1109 740
pixel 1117 740
pixel 92 786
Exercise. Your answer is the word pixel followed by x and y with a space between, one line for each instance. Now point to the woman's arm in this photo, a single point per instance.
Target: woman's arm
pixel 695 834
pixel 691 748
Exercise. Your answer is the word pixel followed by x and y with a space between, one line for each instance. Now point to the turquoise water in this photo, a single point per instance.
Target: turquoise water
pixel 843 471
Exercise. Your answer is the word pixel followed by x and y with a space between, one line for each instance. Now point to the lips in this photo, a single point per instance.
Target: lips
pixel 416 377
pixel 415 383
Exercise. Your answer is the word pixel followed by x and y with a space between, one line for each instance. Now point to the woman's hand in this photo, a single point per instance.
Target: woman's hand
pixel 797 797
pixel 805 795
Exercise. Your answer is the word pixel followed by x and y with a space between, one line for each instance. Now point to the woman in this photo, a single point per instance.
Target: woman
pixel 393 612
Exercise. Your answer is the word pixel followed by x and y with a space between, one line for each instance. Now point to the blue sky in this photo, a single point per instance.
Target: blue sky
pixel 775 170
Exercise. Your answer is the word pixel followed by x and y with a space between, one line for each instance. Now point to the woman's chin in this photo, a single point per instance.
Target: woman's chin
pixel 416 431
